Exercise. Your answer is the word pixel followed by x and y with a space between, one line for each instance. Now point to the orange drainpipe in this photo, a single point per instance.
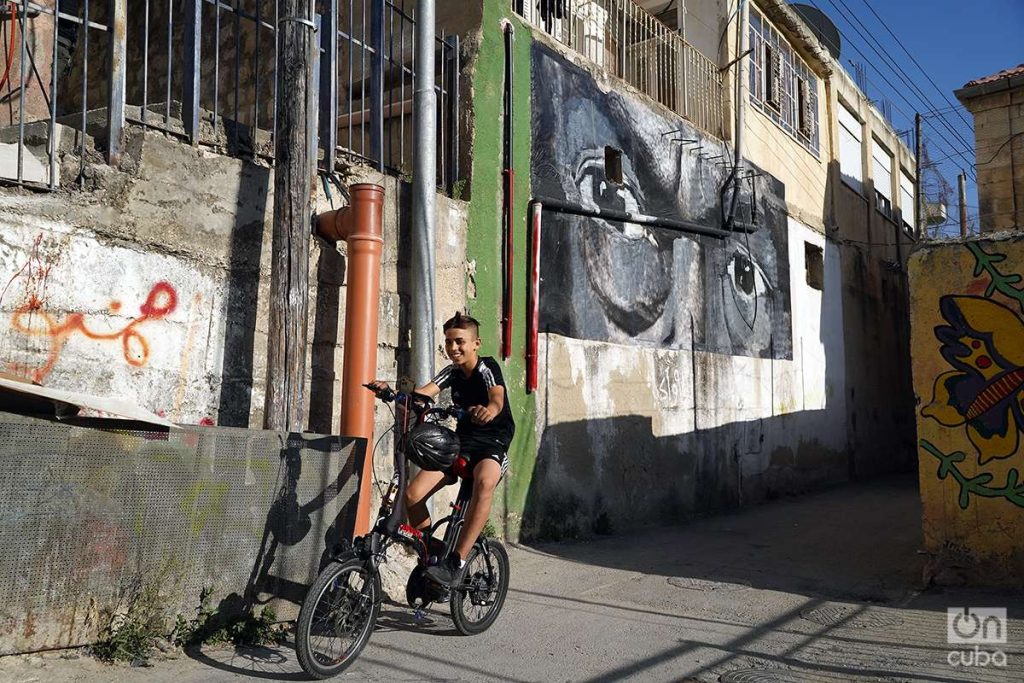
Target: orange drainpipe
pixel 361 225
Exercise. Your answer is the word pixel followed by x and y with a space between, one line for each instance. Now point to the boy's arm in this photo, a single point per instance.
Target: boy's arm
pixel 495 403
pixel 429 389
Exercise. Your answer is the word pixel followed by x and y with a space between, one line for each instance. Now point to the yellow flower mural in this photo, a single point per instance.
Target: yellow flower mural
pixel 984 343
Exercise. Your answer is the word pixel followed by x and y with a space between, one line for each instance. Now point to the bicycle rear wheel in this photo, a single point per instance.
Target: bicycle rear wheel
pixel 480 595
pixel 337 618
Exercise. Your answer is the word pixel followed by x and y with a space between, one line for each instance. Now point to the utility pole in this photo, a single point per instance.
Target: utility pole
pixel 918 200
pixel 962 178
pixel 284 405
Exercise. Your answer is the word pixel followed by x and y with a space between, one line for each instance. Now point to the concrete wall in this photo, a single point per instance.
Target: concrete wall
pixel 635 436
pixel 153 284
pixel 875 300
pixel 646 427
pixel 967 318
pixel 999 146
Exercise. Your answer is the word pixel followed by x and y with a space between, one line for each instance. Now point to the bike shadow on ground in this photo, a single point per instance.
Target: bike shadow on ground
pixel 395 616
pixel 266 662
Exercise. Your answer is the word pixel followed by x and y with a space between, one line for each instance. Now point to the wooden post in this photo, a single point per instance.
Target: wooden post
pixel 962 183
pixel 918 199
pixel 284 406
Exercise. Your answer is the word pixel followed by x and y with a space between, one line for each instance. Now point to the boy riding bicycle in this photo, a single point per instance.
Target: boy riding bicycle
pixel 485 433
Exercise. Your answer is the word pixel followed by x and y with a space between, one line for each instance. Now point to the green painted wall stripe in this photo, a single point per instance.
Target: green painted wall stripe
pixel 484 236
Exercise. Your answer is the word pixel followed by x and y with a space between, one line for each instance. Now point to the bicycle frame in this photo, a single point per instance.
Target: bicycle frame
pixel 390 528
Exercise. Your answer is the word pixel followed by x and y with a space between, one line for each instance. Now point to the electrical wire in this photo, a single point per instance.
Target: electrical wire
pixel 893 87
pixel 897 69
pixel 373 453
pixel 1008 141
pixel 916 63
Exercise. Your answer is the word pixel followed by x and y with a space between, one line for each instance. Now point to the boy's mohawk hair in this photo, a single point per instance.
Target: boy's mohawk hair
pixel 461 321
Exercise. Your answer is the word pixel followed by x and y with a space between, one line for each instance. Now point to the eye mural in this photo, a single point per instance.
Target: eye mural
pixel 983 392
pixel 639 284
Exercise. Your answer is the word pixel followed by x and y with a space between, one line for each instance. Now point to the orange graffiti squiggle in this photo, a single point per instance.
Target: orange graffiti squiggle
pixel 161 302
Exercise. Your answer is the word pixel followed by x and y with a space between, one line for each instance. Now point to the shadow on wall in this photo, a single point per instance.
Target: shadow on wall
pixel 242 299
pixel 609 475
pixel 876 328
pixel 288 523
pixel 330 277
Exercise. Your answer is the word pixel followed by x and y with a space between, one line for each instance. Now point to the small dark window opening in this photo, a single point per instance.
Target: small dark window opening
pixel 772 77
pixel 613 165
pixel 743 273
pixel 804 113
pixel 814 261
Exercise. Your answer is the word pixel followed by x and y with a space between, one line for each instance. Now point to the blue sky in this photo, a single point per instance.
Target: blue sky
pixel 953 40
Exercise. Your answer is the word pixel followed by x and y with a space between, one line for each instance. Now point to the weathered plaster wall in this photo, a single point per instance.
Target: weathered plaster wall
pixel 967 318
pixel 655 400
pixel 152 285
pixel 633 435
pixel 875 248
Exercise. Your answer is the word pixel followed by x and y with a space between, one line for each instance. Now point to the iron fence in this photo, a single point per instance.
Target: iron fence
pixel 206 70
pixel 628 42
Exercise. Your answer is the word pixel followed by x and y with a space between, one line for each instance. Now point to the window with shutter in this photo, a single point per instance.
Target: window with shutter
pixel 782 86
pixel 773 80
pixel 804 111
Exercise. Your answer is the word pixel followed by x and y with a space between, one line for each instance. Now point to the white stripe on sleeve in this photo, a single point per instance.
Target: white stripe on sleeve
pixel 443 378
pixel 488 376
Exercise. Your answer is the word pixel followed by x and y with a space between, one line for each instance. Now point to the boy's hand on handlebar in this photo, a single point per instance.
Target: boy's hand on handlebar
pixel 481 415
pixel 377 386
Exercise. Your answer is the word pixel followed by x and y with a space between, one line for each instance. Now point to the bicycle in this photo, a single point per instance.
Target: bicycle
pixel 342 605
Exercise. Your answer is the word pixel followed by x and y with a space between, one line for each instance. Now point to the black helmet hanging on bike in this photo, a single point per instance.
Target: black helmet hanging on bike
pixel 432 447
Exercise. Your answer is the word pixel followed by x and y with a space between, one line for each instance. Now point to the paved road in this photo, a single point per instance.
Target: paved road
pixel 817 588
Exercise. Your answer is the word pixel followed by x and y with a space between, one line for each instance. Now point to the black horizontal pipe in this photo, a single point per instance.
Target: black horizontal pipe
pixel 559 206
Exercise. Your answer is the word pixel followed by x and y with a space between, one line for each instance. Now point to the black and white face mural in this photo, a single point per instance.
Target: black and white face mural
pixel 627 283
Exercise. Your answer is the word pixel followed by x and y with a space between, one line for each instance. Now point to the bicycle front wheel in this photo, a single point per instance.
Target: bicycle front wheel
pixel 337 618
pixel 483 584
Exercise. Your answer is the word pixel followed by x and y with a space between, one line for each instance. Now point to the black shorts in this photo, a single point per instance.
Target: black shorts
pixel 476 449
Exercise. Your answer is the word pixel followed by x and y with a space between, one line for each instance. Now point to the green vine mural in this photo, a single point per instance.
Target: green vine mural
pixel 998 282
pixel 1012 490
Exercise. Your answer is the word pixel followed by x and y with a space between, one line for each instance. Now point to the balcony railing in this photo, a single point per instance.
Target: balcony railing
pixel 206 71
pixel 622 38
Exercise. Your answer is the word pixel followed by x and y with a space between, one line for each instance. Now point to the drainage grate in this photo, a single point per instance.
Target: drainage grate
pixel 707 585
pixel 850 616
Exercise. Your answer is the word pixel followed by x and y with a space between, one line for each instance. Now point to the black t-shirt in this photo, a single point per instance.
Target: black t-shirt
pixel 472 391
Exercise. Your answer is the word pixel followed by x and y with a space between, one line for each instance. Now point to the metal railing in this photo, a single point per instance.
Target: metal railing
pixel 622 38
pixel 206 71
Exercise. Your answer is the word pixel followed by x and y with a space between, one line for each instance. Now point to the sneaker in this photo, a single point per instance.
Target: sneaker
pixel 444 572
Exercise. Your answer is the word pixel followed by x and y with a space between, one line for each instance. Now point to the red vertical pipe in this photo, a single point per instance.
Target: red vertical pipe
pixel 361 225
pixel 533 296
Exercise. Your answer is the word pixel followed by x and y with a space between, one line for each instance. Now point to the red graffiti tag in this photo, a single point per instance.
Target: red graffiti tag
pixel 32 320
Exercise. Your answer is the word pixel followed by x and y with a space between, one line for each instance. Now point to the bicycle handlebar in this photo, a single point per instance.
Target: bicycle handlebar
pixel 422 405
